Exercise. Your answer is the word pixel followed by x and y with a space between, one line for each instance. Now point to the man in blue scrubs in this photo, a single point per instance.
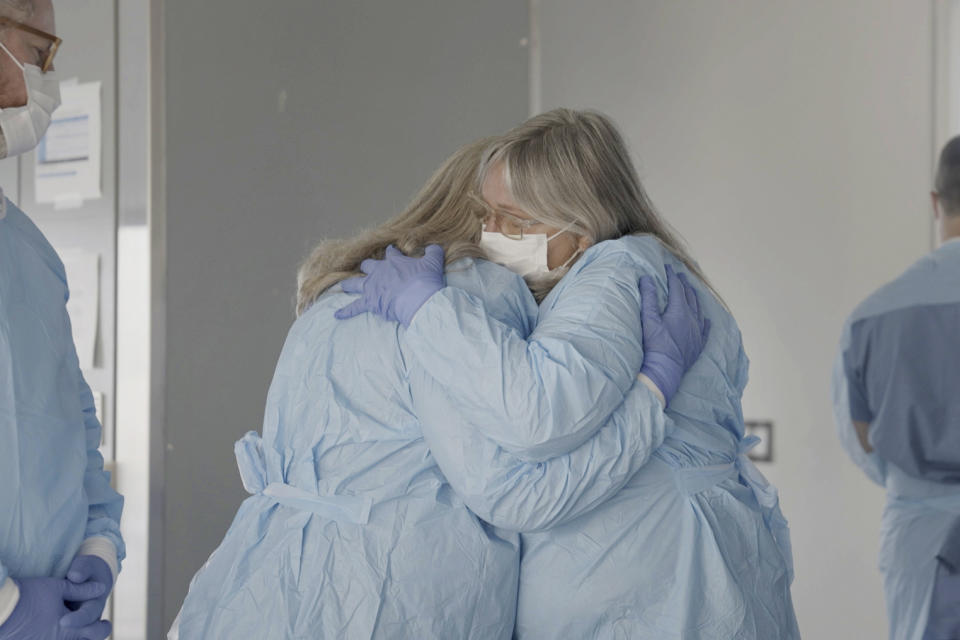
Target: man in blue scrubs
pixel 60 543
pixel 897 406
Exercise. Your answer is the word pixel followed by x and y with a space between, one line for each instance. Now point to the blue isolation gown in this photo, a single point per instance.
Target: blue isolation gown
pixel 352 531
pixel 54 493
pixel 678 535
pixel 897 370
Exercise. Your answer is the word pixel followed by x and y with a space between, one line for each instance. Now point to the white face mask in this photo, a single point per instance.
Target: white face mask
pixel 23 127
pixel 526 257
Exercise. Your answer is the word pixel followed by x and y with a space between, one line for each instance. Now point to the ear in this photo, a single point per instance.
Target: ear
pixel 584 243
pixel 935 201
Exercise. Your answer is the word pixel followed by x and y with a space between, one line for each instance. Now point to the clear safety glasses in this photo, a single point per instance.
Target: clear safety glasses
pixel 508 224
pixel 41 44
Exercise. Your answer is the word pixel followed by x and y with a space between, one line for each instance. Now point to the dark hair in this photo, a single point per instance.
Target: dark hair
pixel 947 183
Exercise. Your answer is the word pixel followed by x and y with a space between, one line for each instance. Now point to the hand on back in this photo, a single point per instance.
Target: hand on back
pixel 674 338
pixel 396 287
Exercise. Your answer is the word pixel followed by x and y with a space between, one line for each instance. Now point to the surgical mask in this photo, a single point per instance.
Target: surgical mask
pixel 23 127
pixel 526 257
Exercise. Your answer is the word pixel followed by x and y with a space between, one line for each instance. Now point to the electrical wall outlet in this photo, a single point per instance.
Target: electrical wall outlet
pixel 763 429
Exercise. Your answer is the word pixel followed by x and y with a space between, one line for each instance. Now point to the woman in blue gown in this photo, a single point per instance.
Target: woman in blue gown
pixel 351 530
pixel 688 539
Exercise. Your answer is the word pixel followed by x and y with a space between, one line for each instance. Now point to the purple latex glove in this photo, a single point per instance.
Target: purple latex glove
pixel 674 339
pixel 92 570
pixel 42 605
pixel 395 287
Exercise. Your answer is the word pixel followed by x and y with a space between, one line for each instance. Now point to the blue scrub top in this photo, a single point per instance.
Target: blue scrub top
pixel 896 369
pixel 902 364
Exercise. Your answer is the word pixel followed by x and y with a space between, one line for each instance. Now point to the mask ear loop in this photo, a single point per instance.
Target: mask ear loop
pixel 575 253
pixel 564 230
pixel 12 57
pixel 571 258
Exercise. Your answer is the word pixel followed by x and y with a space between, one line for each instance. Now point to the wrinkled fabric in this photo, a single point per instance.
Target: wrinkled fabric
pixel 543 397
pixel 950 550
pixel 658 527
pixel 916 519
pixel 894 371
pixel 54 493
pixel 517 495
pixel 351 530
pixel 943 622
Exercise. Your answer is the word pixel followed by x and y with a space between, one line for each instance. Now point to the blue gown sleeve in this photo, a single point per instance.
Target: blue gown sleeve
pixel 105 504
pixel 844 414
pixel 522 496
pixel 541 396
pixel 4 357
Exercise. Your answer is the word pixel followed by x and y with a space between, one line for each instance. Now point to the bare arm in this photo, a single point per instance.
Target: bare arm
pixel 863 428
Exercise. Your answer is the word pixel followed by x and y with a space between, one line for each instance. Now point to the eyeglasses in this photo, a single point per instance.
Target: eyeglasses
pixel 507 224
pixel 45 51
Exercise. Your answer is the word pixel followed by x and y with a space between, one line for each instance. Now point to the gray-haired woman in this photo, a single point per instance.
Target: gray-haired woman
pixel 693 545
pixel 351 530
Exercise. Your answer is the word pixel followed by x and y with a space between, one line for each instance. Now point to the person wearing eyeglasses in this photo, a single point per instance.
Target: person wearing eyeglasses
pixel 60 542
pixel 683 537
pixel 351 530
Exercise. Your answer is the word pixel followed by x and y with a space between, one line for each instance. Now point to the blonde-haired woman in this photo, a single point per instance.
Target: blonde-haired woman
pixel 351 530
pixel 694 545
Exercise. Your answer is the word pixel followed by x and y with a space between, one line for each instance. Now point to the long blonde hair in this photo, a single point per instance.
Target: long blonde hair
pixel 571 169
pixel 443 213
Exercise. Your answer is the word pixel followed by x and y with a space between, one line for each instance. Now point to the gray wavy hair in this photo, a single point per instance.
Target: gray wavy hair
pixel 567 167
pixel 446 211
pixel 22 8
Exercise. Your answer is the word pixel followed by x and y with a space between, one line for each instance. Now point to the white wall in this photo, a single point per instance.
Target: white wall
pixel 790 142
pixel 946 65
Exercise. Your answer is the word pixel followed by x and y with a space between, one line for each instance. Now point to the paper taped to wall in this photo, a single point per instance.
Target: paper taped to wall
pixel 68 159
